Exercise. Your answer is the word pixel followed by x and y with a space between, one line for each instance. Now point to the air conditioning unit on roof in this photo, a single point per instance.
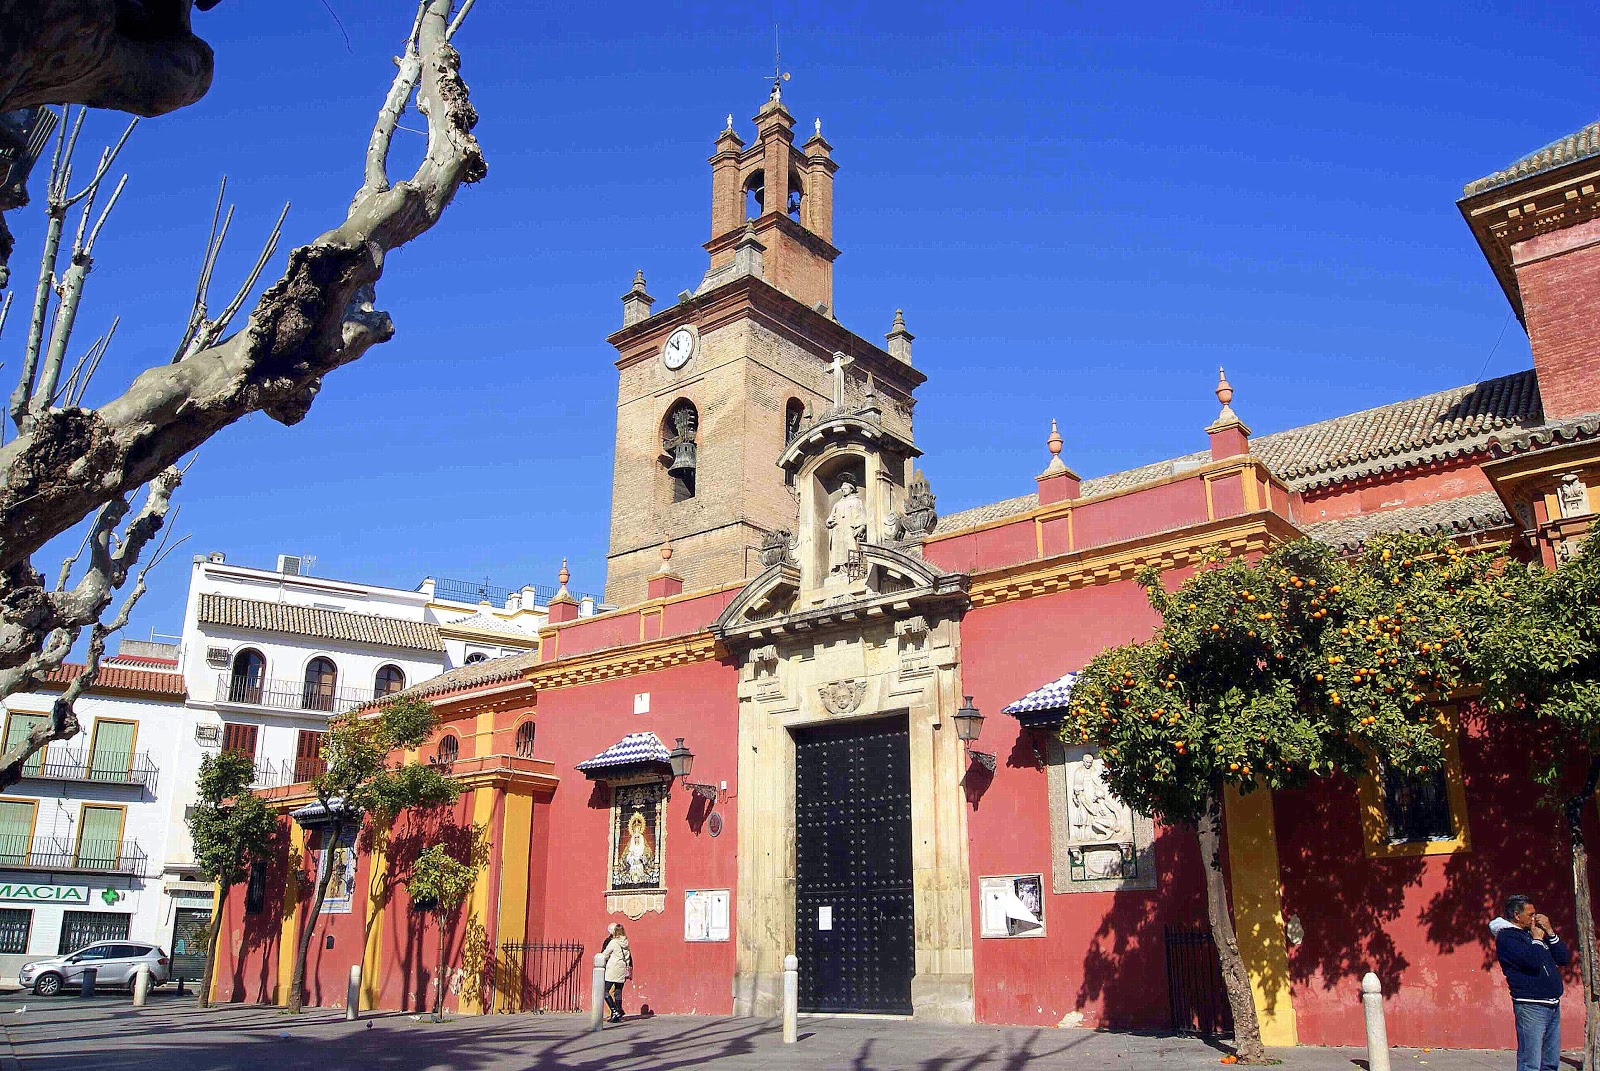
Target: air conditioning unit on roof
pixel 289 564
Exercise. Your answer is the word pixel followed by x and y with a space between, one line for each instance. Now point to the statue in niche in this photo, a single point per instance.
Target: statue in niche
pixel 847 527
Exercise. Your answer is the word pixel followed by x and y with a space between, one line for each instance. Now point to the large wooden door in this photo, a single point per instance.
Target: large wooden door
pixel 854 923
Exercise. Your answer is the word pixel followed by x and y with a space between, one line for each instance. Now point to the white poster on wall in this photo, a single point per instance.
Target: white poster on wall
pixel 1011 906
pixel 705 915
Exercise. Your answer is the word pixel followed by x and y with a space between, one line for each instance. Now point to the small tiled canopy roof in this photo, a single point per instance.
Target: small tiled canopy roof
pixel 634 753
pixel 314 812
pixel 1043 705
pixel 235 612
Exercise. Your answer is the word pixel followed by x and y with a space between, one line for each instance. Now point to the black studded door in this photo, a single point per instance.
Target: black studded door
pixel 854 925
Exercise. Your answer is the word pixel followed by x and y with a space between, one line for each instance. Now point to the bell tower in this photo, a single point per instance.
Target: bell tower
pixel 713 388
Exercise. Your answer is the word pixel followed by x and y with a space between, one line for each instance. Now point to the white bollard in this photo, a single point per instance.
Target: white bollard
pixel 1377 1033
pixel 597 992
pixel 791 999
pixel 141 985
pixel 352 993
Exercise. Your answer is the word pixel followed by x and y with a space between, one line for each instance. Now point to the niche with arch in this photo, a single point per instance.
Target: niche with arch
pixel 680 448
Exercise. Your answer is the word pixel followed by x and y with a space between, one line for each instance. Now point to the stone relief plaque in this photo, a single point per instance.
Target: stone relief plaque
pixel 1573 496
pixel 842 697
pixel 1098 843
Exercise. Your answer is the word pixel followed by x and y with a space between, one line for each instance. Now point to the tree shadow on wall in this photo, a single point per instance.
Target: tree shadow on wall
pixel 1346 913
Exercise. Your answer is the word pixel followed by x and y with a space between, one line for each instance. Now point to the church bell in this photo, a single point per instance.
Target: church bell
pixel 683 460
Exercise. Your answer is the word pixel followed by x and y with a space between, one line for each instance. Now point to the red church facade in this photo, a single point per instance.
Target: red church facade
pixel 844 628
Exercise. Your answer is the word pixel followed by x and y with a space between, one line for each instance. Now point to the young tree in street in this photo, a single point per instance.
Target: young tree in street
pixel 71 464
pixel 1536 652
pixel 441 879
pixel 1265 674
pixel 232 831
pixel 361 781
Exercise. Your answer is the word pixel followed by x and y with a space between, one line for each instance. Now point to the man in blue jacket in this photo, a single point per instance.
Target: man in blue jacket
pixel 1531 955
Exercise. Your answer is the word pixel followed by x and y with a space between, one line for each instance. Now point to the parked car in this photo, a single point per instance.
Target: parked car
pixel 116 963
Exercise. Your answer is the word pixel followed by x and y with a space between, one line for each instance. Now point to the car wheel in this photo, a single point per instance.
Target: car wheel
pixel 47 985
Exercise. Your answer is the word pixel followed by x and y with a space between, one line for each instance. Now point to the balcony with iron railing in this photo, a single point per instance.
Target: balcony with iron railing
pixel 97 767
pixel 62 854
pixel 290 694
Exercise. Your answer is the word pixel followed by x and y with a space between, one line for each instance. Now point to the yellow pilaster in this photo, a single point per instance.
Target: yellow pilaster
pixel 288 935
pixel 483 733
pixel 1258 911
pixel 513 853
pixel 377 900
pixel 216 903
pixel 476 935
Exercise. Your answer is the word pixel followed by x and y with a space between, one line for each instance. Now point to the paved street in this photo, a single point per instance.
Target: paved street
pixel 67 1034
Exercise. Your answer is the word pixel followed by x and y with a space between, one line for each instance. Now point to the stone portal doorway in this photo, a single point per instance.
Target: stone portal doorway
pixel 854 915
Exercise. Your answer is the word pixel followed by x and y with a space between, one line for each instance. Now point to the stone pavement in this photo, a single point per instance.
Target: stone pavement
pixel 171 1034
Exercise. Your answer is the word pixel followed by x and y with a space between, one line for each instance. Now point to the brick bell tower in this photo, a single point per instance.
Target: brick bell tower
pixel 711 389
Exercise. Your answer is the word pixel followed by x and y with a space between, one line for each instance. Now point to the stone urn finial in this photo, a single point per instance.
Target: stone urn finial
pixel 1224 388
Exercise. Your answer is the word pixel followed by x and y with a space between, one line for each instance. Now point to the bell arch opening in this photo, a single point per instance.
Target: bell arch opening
pixel 680 451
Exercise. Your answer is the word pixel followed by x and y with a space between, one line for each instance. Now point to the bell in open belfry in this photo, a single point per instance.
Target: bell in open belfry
pixel 683 460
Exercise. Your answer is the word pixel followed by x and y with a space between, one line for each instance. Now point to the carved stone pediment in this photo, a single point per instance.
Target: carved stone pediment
pixel 842 697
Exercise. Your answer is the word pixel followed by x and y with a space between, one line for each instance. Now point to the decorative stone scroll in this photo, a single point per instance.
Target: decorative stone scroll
pixel 842 697
pixel 1573 496
pixel 1098 843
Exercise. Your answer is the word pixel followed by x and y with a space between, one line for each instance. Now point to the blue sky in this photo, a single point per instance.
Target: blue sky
pixel 1083 210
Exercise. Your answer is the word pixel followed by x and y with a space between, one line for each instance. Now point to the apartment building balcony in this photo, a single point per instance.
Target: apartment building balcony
pixel 64 855
pixel 269 774
pixel 95 767
pixel 289 694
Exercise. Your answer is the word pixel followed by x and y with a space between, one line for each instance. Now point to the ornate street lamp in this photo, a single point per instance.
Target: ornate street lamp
pixel 682 760
pixel 969 724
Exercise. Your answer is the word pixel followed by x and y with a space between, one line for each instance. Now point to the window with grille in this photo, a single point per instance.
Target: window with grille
pixel 14 926
pixel 81 928
pixel 1418 808
pixel 248 676
pixel 16 830
pixel 322 678
pixel 525 739
pixel 111 750
pixel 18 726
pixel 255 890
pixel 449 750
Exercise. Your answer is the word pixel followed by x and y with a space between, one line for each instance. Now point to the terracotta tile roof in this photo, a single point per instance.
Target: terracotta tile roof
pixel 235 612
pixel 117 678
pixel 1389 438
pixel 484 621
pixel 492 671
pixel 1481 512
pixel 1578 145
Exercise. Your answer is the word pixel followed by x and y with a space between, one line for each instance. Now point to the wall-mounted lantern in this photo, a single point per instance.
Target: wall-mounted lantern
pixel 969 724
pixel 682 760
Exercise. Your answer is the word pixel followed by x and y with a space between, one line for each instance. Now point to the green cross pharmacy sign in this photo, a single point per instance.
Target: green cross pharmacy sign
pixel 23 893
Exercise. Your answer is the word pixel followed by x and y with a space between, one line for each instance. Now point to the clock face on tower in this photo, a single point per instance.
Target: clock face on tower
pixel 680 346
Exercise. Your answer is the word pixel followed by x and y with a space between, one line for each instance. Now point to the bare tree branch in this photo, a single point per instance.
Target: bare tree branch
pixel 319 316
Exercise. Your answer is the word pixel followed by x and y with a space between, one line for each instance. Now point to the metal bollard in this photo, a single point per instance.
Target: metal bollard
pixel 141 985
pixel 597 992
pixel 791 999
pixel 87 988
pixel 352 993
pixel 1377 1032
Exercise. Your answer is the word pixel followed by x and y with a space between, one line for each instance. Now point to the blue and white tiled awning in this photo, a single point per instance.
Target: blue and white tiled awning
pixel 1045 705
pixel 634 753
pixel 314 813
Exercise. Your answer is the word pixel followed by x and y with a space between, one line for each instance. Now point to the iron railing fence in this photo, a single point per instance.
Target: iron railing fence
pixel 98 767
pixel 540 976
pixel 18 852
pixel 476 591
pixel 1195 988
pixel 290 694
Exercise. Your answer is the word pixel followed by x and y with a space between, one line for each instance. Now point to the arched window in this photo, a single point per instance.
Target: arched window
pixel 390 679
pixel 248 676
pixel 796 196
pixel 476 657
pixel 322 680
pixel 525 740
pixel 794 412
pixel 680 450
pixel 448 751
pixel 755 195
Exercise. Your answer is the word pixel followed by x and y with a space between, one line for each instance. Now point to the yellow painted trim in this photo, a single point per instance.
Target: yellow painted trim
pixel 38 756
pixel 288 932
pixel 218 921
pixel 1258 911
pixel 483 734
pixel 94 738
pixel 1375 818
pixel 377 900
pixel 471 1000
pixel 515 833
pixel 625 661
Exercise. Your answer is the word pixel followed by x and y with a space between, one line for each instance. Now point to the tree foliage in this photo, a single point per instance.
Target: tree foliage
pixel 442 877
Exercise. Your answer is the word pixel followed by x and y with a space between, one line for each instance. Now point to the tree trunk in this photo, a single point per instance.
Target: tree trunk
pixel 1246 1030
pixel 438 978
pixel 1583 918
pixel 213 939
pixel 297 985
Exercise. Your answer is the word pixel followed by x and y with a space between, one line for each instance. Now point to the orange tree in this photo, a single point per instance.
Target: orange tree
pixel 1265 674
pixel 1536 652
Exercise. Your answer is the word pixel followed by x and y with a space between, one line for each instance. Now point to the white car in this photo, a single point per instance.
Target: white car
pixel 116 965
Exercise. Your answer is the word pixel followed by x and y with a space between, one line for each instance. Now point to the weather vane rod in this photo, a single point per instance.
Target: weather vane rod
pixel 779 75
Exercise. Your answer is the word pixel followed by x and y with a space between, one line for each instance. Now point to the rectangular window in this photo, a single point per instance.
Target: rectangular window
pixel 308 755
pixel 111 750
pixel 18 726
pixel 16 830
pixel 80 928
pixel 15 924
pixel 255 891
pixel 99 837
pixel 240 738
pixel 1417 808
